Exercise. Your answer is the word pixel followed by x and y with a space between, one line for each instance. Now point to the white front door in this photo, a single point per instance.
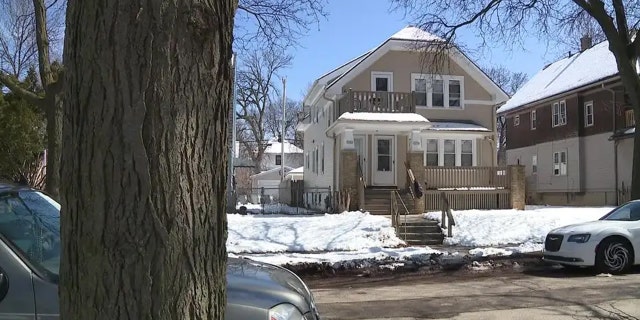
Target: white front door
pixel 360 143
pixel 383 161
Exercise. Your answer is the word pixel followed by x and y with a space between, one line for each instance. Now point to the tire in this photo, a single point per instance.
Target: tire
pixel 614 256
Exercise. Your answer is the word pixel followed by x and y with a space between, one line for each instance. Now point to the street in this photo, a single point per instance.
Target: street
pixel 545 293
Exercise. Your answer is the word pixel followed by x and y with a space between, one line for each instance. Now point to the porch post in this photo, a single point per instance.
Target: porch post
pixel 518 184
pixel 416 163
pixel 349 175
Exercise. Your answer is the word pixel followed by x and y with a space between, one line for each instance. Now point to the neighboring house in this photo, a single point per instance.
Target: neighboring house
pixel 571 127
pixel 293 156
pixel 367 117
pixel 267 183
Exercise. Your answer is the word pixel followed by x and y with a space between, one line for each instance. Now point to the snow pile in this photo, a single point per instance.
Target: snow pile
pixel 348 231
pixel 526 229
pixel 273 208
pixel 381 116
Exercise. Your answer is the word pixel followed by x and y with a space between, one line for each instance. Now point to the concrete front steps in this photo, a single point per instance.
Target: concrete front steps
pixel 420 233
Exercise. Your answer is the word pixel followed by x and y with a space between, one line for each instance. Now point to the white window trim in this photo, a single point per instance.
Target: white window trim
pixel 562 110
pixel 561 166
pixel 445 79
pixel 534 119
pixel 516 120
pixel 458 144
pixel 586 114
pixel 534 164
pixel 381 74
pixel 322 160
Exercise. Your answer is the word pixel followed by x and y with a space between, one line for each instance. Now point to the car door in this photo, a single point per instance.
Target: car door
pixel 17 300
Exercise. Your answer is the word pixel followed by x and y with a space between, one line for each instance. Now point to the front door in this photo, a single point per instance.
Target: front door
pixel 361 150
pixel 383 161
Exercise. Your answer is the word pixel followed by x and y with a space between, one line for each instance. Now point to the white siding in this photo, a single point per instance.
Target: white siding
pixel 314 137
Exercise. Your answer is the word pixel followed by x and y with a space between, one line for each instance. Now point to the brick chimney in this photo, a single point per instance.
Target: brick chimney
pixel 585 43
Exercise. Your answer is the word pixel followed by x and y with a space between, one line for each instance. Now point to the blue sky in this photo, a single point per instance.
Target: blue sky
pixel 355 26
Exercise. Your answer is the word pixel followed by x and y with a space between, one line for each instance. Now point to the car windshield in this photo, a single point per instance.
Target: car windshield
pixel 629 211
pixel 30 221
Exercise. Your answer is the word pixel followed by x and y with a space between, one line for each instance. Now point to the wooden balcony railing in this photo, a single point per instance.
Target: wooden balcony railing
pixel 378 101
pixel 467 178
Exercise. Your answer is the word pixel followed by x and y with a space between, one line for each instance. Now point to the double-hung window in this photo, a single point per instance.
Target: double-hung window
pixel 560 163
pixel 534 119
pixel 450 152
pixel 588 114
pixel 438 91
pixel 559 114
pixel 432 158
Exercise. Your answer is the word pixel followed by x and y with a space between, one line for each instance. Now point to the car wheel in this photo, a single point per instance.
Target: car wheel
pixel 614 256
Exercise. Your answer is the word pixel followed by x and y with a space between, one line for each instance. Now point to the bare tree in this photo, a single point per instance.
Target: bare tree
pixel 258 79
pixel 278 23
pixel 18 48
pixel 273 120
pixel 510 82
pixel 509 21
pixel 43 30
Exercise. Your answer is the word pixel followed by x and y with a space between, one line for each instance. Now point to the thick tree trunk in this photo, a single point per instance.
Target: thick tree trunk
pixel 144 140
pixel 53 113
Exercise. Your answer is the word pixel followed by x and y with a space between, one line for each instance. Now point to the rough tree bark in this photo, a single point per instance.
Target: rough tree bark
pixel 146 112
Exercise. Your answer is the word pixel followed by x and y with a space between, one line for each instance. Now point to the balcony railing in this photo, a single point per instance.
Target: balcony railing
pixel 378 102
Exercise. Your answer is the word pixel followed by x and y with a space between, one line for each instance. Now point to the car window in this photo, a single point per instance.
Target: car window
pixel 31 225
pixel 627 212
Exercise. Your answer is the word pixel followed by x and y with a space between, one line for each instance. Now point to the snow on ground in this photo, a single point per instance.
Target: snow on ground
pixel 337 232
pixel 512 230
pixel 273 208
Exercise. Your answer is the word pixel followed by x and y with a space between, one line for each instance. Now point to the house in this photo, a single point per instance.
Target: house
pixel 571 127
pixel 272 158
pixel 267 183
pixel 393 104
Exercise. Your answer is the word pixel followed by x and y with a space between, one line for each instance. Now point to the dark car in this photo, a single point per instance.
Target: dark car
pixel 30 259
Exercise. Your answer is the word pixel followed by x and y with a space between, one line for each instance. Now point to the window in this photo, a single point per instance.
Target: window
pixel 322 160
pixel 588 114
pixel 559 114
pixel 516 121
pixel 454 93
pixel 560 163
pixel 466 153
pixel 438 91
pixel 449 153
pixel 278 159
pixel 432 153
pixel 629 119
pixel 534 164
pixel 315 161
pixel 534 119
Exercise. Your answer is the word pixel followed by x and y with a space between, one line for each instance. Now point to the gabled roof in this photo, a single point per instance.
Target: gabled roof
pixel 276 147
pixel 583 68
pixel 409 38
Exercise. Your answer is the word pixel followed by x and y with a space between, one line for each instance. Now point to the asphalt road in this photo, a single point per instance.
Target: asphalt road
pixel 547 293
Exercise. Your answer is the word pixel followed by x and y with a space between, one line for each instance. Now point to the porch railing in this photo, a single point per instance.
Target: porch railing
pixel 467 178
pixel 396 211
pixel 375 101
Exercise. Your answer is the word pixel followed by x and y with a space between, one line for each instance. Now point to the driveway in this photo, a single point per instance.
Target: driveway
pixel 547 293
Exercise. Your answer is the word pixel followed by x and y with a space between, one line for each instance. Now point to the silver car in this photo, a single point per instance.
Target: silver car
pixel 30 259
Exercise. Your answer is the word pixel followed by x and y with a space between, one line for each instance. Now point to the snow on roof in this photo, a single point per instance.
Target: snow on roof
pixel 276 147
pixel 383 117
pixel 456 126
pixel 276 169
pixel 593 64
pixel 415 34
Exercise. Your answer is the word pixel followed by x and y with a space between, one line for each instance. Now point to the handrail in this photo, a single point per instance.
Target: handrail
pixel 361 173
pixel 412 179
pixel 447 216
pixel 362 184
pixel 395 195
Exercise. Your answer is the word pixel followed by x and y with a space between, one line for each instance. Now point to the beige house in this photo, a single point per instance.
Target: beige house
pixel 394 104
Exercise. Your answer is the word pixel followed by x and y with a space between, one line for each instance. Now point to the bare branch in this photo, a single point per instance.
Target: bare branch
pixel 13 85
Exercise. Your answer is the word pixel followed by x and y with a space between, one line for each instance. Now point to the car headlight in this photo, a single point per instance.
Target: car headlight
pixel 579 238
pixel 285 311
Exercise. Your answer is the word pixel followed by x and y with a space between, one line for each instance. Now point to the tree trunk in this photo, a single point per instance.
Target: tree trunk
pixel 147 94
pixel 53 111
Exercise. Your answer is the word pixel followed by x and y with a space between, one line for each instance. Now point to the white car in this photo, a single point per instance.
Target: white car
pixel 611 244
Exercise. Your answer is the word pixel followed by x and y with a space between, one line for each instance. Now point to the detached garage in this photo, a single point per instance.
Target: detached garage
pixel 270 181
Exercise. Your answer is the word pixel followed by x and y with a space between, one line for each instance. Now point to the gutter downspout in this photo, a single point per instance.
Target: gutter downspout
pixel 615 141
pixel 335 156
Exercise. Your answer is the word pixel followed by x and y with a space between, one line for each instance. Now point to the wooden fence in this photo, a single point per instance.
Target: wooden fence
pixel 468 187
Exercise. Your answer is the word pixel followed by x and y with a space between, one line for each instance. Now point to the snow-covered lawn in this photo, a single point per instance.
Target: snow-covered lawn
pixel 355 236
pixel 513 230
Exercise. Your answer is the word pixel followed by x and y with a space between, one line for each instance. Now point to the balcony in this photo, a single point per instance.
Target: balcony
pixel 378 102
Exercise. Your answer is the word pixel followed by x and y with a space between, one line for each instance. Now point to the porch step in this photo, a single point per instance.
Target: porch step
pixel 419 233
